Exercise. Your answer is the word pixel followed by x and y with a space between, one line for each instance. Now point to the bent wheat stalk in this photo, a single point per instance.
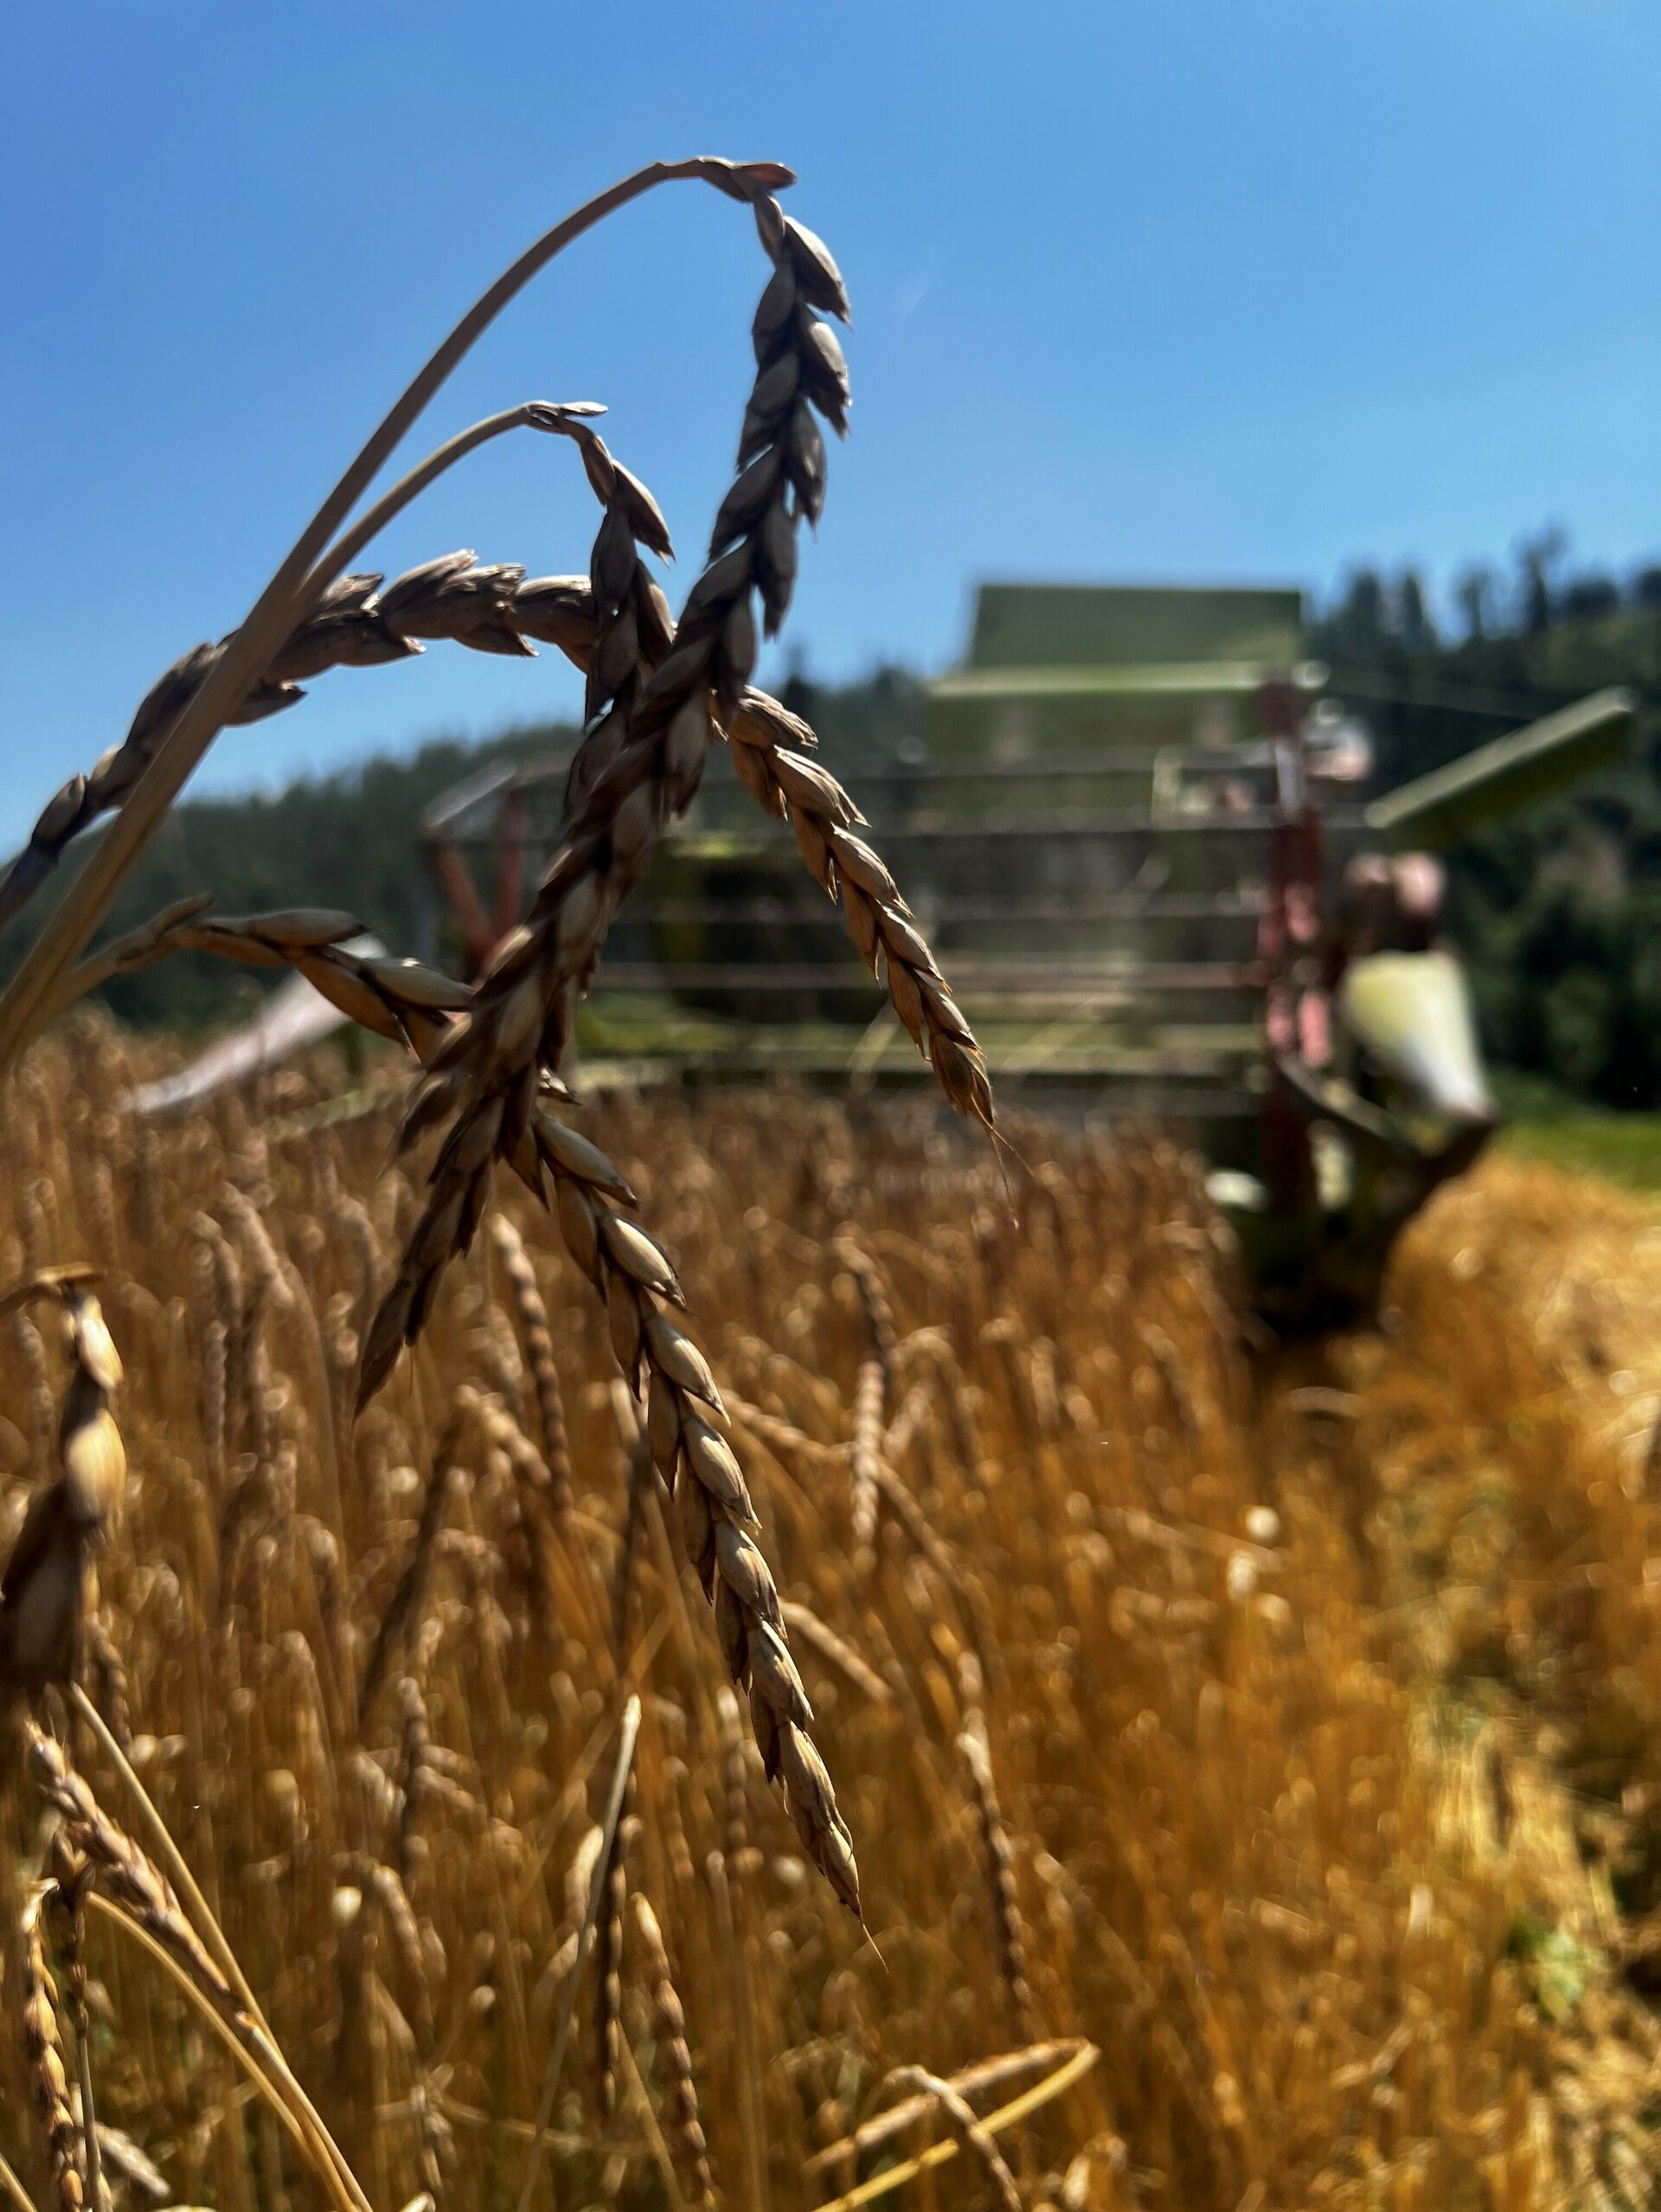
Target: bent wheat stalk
pixel 305 575
pixel 970 2135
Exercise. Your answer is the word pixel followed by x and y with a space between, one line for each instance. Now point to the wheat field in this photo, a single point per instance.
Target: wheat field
pixel 1252 1751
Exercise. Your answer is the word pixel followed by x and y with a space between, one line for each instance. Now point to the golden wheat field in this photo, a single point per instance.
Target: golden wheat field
pixel 1253 1752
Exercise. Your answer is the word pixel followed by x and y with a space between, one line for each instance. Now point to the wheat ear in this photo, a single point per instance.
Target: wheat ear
pixel 608 1958
pixel 769 748
pixel 410 1588
pixel 681 2126
pixel 768 745
pixel 631 1274
pixel 651 703
pixel 43 2055
pixel 71 1877
pixel 870 1398
pixel 1000 1856
pixel 537 1339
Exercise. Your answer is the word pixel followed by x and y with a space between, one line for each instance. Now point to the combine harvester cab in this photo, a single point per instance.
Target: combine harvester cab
pixel 1139 839
pixel 1240 940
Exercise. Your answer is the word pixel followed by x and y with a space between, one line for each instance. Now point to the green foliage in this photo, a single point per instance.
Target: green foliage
pixel 1556 911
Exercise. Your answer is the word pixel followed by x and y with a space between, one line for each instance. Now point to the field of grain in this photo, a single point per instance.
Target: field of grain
pixel 1258 1745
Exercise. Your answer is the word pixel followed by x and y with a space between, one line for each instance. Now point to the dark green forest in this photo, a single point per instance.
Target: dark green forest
pixel 1558 913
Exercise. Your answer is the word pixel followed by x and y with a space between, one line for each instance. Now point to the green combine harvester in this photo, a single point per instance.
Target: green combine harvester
pixel 1143 843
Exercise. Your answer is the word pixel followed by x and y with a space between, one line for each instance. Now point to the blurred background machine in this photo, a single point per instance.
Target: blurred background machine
pixel 1145 846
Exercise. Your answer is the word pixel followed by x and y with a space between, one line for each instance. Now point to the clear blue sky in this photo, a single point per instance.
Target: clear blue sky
pixel 1218 288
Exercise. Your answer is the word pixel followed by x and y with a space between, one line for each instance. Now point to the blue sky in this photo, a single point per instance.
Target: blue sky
pixel 1221 289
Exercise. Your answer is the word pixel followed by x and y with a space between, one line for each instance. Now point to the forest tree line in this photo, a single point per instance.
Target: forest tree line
pixel 1557 913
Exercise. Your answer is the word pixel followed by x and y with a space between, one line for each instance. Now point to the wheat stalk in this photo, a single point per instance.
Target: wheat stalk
pixel 304 575
pixel 960 2117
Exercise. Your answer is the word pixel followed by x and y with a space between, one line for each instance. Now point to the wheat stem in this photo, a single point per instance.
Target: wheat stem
pixel 746 2068
pixel 938 2154
pixel 12 2188
pixel 252 2063
pixel 549 416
